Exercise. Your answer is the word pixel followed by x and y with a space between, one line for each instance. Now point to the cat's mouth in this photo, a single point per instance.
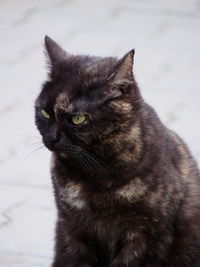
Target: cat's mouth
pixel 49 145
pixel 62 148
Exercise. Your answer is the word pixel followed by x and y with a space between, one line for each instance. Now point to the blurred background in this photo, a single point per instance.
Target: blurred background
pixel 166 37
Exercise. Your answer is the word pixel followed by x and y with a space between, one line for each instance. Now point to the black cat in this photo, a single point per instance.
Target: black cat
pixel 127 189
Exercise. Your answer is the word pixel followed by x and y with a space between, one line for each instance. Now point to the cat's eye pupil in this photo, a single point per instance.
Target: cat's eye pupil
pixel 45 114
pixel 78 119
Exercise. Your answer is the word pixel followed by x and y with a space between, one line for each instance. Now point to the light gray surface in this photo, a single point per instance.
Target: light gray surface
pixel 166 36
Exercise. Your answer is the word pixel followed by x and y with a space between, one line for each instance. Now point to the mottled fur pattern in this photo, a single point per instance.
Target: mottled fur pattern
pixel 127 189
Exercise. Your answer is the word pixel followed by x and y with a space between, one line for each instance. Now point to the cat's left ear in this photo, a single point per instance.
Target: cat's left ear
pixel 122 78
pixel 55 53
pixel 124 72
pixel 119 82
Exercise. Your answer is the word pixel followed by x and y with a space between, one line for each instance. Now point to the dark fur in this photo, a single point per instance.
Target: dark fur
pixel 127 189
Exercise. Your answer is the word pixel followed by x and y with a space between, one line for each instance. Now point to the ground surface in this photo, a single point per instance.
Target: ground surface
pixel 166 36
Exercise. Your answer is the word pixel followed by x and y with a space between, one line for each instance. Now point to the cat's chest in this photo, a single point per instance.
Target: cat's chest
pixel 72 195
pixel 75 196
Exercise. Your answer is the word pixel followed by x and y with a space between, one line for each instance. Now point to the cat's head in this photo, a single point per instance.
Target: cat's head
pixel 86 100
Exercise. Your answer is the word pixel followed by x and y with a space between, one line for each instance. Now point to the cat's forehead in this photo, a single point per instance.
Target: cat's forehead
pixel 88 71
pixel 80 104
pixel 81 76
pixel 97 65
pixel 64 103
pixel 61 102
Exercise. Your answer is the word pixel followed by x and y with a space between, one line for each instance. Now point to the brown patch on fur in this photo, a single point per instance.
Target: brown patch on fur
pixel 160 198
pixel 62 102
pixel 154 197
pixel 132 191
pixel 164 195
pixel 131 253
pixel 127 147
pixel 71 194
pixel 132 154
pixel 121 106
pixel 184 165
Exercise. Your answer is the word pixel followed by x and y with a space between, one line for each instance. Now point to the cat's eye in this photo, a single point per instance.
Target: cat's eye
pixel 45 114
pixel 78 119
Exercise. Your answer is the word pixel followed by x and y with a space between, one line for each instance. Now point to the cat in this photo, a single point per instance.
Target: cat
pixel 127 188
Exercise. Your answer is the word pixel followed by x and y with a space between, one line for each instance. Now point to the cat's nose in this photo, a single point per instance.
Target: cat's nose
pixel 52 139
pixel 53 136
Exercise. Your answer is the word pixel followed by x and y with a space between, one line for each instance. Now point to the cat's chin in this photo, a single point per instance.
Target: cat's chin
pixel 50 147
pixel 64 152
pixel 62 149
pixel 62 155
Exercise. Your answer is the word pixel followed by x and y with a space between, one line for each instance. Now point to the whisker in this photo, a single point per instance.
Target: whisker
pixel 35 142
pixel 83 163
pixel 91 168
pixel 35 149
pixel 31 153
pixel 31 147
pixel 95 169
pixel 98 161
pixel 100 168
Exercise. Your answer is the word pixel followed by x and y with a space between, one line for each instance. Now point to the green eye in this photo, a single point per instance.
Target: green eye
pixel 78 119
pixel 45 114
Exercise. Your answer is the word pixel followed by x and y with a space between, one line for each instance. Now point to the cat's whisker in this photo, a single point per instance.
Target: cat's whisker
pixel 91 156
pixel 31 153
pixel 97 159
pixel 94 167
pixel 31 139
pixel 33 146
pixel 36 142
pixel 36 149
pixel 70 149
pixel 82 164
pixel 99 167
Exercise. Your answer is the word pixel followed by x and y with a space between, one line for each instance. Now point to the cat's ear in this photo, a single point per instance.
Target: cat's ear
pixel 124 72
pixel 121 79
pixel 55 53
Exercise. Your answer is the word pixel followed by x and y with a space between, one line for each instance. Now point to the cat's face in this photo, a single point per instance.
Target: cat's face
pixel 86 101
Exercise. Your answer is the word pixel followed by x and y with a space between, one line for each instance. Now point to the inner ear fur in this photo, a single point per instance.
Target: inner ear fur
pixel 124 69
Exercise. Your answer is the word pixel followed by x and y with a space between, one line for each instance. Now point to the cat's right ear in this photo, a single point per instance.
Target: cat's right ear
pixel 55 53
